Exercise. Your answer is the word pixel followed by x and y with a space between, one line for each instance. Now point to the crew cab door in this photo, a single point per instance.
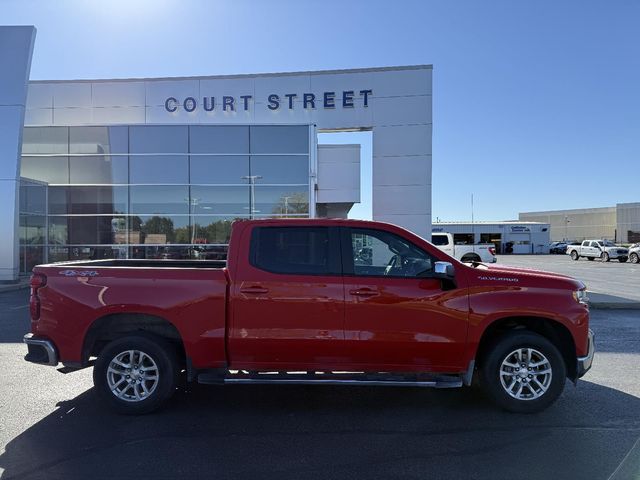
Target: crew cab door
pixel 398 317
pixel 287 299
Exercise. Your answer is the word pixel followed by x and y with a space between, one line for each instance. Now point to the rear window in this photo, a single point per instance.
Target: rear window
pixel 439 240
pixel 291 250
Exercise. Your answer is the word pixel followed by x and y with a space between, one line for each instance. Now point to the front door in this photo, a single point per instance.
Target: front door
pixel 287 303
pixel 397 316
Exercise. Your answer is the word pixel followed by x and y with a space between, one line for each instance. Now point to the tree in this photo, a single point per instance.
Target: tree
pixel 294 203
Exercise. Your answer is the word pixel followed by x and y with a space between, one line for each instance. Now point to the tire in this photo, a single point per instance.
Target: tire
pixel 471 258
pixel 496 377
pixel 158 356
pixel 575 256
pixel 623 259
pixel 634 258
pixel 605 257
pixel 591 259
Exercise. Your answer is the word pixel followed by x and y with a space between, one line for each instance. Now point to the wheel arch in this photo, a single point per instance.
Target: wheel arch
pixel 470 257
pixel 116 325
pixel 552 330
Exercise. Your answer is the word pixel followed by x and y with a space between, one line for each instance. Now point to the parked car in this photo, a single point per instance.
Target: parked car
pixel 602 249
pixel 480 252
pixel 558 248
pixel 292 299
pixel 634 253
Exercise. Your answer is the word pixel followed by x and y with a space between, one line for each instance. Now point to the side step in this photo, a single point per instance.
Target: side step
pixel 333 378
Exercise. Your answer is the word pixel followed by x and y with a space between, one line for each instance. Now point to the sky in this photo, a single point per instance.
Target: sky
pixel 536 104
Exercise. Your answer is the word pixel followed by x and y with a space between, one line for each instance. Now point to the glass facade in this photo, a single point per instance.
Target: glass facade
pixel 155 191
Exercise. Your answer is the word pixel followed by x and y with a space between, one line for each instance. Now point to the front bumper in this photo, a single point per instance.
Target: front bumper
pixel 584 363
pixel 41 350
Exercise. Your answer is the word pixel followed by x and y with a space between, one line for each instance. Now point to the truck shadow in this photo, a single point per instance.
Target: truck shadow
pixel 330 432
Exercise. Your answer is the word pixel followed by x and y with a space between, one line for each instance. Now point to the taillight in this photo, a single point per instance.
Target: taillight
pixel 492 251
pixel 36 282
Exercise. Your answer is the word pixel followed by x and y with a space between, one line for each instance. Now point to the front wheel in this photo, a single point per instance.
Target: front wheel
pixel 136 374
pixel 523 372
pixel 574 255
pixel 605 257
pixel 634 257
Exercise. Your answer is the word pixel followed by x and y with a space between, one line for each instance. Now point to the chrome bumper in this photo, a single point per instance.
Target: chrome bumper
pixel 41 351
pixel 584 363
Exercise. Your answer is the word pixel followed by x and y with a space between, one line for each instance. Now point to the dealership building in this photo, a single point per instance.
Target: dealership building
pixel 159 168
pixel 619 224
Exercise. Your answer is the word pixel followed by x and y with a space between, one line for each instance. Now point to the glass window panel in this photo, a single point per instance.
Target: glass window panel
pixel 158 139
pixel 159 199
pixel 218 139
pixel 45 169
pixel 291 250
pixel 33 256
pixel 281 169
pixel 58 254
pixel 280 139
pixel 34 228
pixel 87 200
pixel 91 252
pixel 46 140
pixel 286 201
pixel 98 140
pixel 219 169
pixel 99 169
pixel 380 253
pixel 219 200
pixel 209 229
pixel 155 169
pixel 161 252
pixel 159 229
pixel 104 230
pixel 33 198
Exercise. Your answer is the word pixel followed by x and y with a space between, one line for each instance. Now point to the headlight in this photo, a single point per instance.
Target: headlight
pixel 580 296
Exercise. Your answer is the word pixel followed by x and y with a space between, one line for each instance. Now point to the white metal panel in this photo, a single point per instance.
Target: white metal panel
pixel 40 95
pixel 13 63
pixel 404 140
pixel 72 116
pixel 401 200
pixel 71 95
pixel 281 85
pixel 407 170
pixel 398 83
pixel 157 114
pixel 283 114
pixel 11 118
pixel 234 87
pixel 118 94
pixel 38 116
pixel 159 90
pixel 118 115
pixel 340 82
pixel 418 224
pixel 339 173
pixel 402 110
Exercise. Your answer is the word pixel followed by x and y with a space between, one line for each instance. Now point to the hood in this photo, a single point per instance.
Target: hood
pixel 523 277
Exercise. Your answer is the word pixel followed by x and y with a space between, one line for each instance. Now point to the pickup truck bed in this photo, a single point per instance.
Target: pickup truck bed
pixel 312 301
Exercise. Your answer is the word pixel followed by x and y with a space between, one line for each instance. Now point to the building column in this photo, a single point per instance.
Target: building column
pixel 16 49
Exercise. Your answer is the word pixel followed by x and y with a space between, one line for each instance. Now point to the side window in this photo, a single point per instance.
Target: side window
pixel 291 250
pixel 586 243
pixel 595 244
pixel 380 253
pixel 439 240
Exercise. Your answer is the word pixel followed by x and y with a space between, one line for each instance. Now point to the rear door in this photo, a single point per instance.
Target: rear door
pixel 397 316
pixel 287 300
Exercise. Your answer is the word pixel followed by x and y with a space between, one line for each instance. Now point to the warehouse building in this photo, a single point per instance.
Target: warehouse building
pixel 515 237
pixel 619 224
pixel 160 167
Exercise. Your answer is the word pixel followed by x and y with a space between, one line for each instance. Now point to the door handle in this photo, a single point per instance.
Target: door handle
pixel 364 292
pixel 254 289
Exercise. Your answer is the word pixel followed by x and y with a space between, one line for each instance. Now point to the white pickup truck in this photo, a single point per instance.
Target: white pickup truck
pixel 482 252
pixel 602 249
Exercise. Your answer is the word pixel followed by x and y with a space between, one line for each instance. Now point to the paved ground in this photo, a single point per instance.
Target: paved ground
pixel 614 279
pixel 52 427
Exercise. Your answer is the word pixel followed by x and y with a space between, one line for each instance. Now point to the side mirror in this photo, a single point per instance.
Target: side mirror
pixel 444 270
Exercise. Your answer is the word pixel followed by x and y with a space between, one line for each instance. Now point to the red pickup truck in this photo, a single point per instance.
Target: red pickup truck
pixel 312 302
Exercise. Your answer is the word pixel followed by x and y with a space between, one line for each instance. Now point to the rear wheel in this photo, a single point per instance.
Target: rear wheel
pixel 605 257
pixel 575 256
pixel 136 374
pixel 523 372
pixel 634 258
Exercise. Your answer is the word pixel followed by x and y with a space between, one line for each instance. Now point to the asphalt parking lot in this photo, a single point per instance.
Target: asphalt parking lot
pixel 52 426
pixel 612 279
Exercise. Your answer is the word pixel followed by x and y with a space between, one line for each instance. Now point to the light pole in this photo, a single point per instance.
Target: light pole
pixel 566 227
pixel 286 205
pixel 252 193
